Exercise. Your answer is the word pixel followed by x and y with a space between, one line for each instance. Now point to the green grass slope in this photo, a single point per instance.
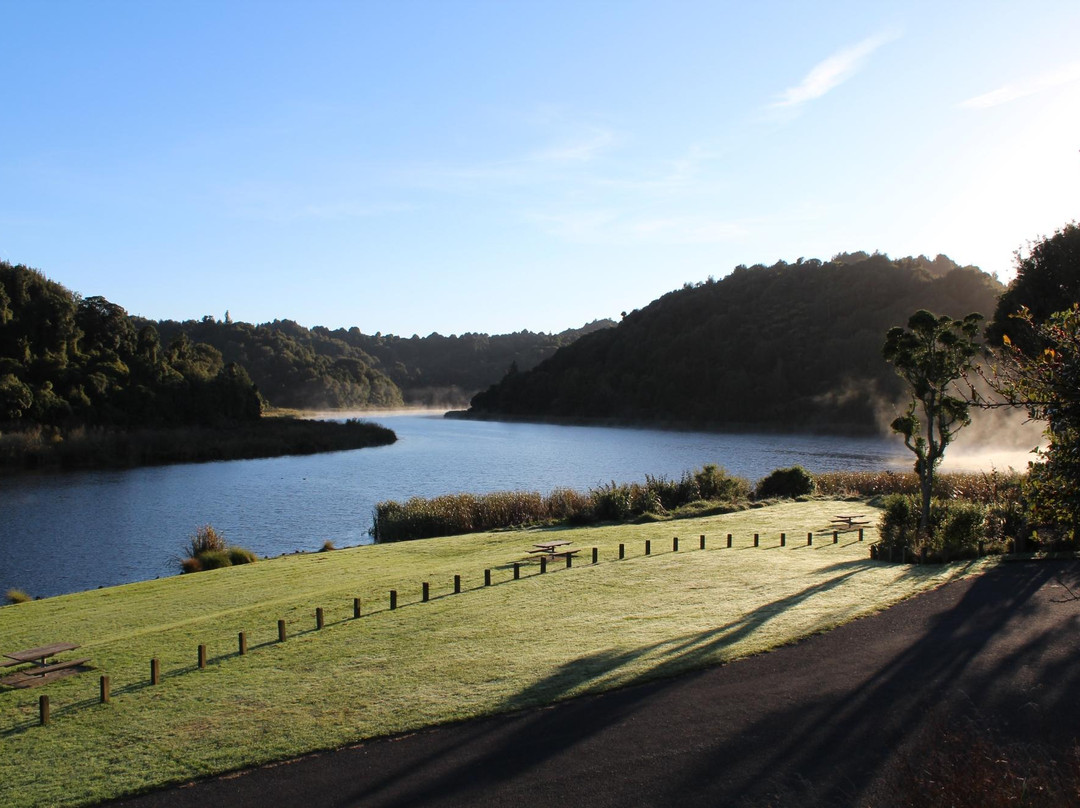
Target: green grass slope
pixel 514 645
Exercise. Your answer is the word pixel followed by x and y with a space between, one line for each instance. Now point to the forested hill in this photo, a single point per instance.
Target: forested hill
pixel 68 361
pixel 791 346
pixel 295 366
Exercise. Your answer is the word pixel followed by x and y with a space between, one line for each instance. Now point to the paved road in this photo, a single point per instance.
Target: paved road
pixel 821 722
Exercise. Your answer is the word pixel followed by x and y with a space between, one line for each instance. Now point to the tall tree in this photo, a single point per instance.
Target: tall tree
pixel 931 354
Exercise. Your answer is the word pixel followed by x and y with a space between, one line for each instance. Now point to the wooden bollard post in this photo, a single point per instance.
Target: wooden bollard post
pixel 836 537
pixel 595 555
pixel 729 540
pixel 393 598
pixel 922 554
pixel 648 546
pixel 622 551
pixel 425 592
pixel 702 544
pixel 675 544
pixel 355 608
pixel 569 561
pixel 202 657
pixel 543 564
pixel 155 671
pixel 43 710
pixel 281 631
pixel 457 584
pixel 783 539
pixel 104 689
pixel 318 617
pixel 487 577
pixel 809 539
pixel 517 570
pixel 756 539
pixel 241 639
pixel 860 534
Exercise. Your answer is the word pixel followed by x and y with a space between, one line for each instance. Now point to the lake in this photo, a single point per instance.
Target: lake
pixel 68 532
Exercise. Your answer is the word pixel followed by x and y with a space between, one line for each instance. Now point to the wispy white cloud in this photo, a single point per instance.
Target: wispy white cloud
pixel 1066 74
pixel 582 149
pixel 831 72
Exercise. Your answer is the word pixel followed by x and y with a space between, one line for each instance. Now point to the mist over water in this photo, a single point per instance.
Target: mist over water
pixel 68 532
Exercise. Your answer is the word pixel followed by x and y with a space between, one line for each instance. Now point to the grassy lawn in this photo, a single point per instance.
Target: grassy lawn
pixel 506 647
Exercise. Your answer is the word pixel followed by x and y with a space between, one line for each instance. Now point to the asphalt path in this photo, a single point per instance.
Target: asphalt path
pixel 826 721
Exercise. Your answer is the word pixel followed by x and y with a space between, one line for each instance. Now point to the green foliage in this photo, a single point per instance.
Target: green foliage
pixel 1045 381
pixel 791 345
pixel 1047 281
pixel 420 518
pixel 790 483
pixel 14 596
pixel 213 559
pixel 241 555
pixel 956 527
pixel 930 355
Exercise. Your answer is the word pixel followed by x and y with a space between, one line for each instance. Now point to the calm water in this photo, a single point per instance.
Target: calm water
pixel 63 533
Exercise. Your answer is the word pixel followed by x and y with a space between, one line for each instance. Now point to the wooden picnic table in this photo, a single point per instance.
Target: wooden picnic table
pixel 548 546
pixel 41 670
pixel 851 520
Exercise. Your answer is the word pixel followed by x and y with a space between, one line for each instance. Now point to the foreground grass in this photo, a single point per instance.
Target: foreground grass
pixel 514 645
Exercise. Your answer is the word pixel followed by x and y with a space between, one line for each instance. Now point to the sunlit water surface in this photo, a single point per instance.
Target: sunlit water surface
pixel 69 532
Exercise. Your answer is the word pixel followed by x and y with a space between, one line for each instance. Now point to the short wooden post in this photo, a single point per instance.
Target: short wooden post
pixel 319 617
pixel 873 552
pixel 425 592
pixel 622 551
pixel 543 564
pixel 835 537
pixel 783 539
pixel 355 608
pixel 457 584
pixel 982 548
pixel 393 598
pixel 242 642
pixel 43 709
pixel 104 689
pixel 155 671
pixel 756 539
pixel 202 657
pixel 860 534
pixel 729 540
pixel 281 631
pixel 702 538
pixel 809 539
pixel 487 577
pixel 922 554
pixel 595 555
pixel 569 561
pixel 675 544
pixel 648 546
pixel 517 570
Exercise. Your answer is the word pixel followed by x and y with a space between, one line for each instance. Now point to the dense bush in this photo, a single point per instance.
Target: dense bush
pixel 208 550
pixel 17 596
pixel 420 518
pixel 956 528
pixel 790 483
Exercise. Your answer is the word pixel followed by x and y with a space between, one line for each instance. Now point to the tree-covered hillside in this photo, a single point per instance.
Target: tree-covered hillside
pixel 316 368
pixel 71 361
pixel 791 346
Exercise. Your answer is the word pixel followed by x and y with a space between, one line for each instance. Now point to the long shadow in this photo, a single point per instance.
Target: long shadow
pixel 546 734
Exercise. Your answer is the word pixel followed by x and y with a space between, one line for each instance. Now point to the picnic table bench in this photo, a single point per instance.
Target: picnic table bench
pixel 548 547
pixel 850 521
pixel 40 670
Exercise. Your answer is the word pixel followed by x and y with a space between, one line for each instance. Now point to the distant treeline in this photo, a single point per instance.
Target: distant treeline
pixel 317 368
pixel 791 346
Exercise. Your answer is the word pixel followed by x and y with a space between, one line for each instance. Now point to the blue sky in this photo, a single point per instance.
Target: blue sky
pixel 410 167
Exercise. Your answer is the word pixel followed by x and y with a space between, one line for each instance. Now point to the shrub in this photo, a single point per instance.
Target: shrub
pixel 327 546
pixel 713 483
pixel 956 527
pixel 190 565
pixel 213 559
pixel 241 555
pixel 204 540
pixel 790 483
pixel 17 596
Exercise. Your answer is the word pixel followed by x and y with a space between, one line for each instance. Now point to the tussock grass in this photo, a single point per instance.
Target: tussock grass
pixel 513 645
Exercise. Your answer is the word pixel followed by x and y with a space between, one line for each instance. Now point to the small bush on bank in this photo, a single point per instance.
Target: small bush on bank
pixel 208 550
pixel 788 483
pixel 14 596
